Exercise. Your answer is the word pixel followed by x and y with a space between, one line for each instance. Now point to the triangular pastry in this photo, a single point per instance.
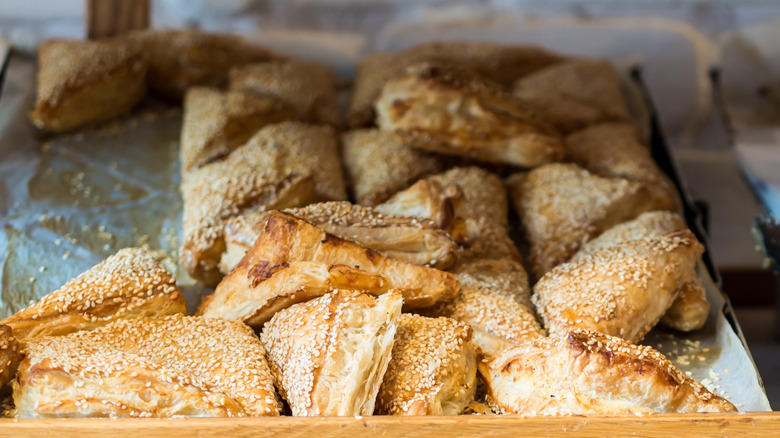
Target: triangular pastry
pixel 155 367
pixel 614 150
pixel 620 291
pixel 216 122
pixel 448 110
pixel 130 284
pixel 86 82
pixel 284 165
pixel 561 206
pixel 308 88
pixel 408 239
pixel 328 355
pixel 585 372
pixel 293 261
pixel 469 202
pixel 574 94
pixel 378 164
pixel 691 308
pixel 433 368
pixel 495 300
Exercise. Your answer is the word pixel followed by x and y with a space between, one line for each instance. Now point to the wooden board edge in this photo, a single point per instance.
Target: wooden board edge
pixel 659 425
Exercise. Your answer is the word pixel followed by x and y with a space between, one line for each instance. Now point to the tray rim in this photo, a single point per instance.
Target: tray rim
pixel 655 425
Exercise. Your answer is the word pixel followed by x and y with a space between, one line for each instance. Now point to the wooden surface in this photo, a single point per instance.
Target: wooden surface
pixel 689 426
pixel 107 18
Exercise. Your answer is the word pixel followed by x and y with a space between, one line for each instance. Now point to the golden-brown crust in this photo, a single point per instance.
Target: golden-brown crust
pixel 495 300
pixel 614 150
pixel 308 88
pixel 372 73
pixel 620 291
pixel 445 109
pixel 497 62
pixel 691 308
pixel 379 165
pixel 328 355
pixel 585 372
pixel 86 82
pixel 217 122
pixel 293 261
pixel 282 166
pixel 155 367
pixel 574 94
pixel 181 59
pixel 501 63
pixel 430 200
pixel 469 202
pixel 433 369
pixel 130 284
pixel 562 205
pixel 483 210
pixel 412 240
pixel 10 355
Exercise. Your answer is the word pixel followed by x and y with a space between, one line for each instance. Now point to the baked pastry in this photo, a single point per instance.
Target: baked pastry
pixel 308 88
pixel 586 372
pixel 614 150
pixel 445 109
pixel 412 240
pixel 562 205
pixel 501 63
pixel 469 202
pixel 378 164
pixel 433 368
pixel 182 59
pixel 164 367
pixel 282 166
pixel 130 284
pixel 574 94
pixel 328 355
pixel 691 308
pixel 495 300
pixel 620 291
pixel 10 355
pixel 497 62
pixel 430 200
pixel 293 261
pixel 217 122
pixel 85 82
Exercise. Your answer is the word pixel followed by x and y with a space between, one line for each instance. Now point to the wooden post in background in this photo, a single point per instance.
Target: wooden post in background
pixel 107 18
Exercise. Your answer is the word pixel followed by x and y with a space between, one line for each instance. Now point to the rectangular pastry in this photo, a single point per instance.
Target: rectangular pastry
pixel 85 82
pixel 181 59
pixel 440 108
pixel 328 355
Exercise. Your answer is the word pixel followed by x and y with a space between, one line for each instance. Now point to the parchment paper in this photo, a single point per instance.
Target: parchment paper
pixel 68 202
